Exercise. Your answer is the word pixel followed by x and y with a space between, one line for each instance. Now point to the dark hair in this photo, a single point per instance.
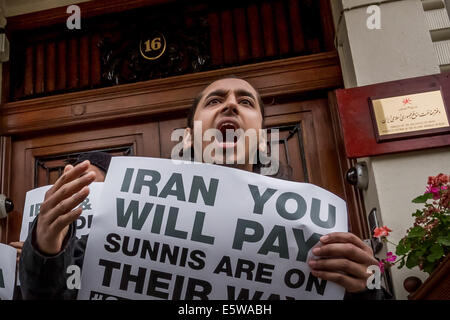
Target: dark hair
pixel 99 159
pixel 190 117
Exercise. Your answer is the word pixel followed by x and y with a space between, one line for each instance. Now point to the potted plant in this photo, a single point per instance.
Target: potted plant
pixel 427 242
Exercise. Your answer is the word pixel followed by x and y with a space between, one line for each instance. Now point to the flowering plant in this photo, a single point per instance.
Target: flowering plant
pixel 427 243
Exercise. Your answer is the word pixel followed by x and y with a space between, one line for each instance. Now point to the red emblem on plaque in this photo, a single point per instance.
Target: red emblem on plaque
pixel 406 101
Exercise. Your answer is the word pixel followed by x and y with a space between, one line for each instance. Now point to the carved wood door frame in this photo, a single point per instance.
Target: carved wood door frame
pixel 151 101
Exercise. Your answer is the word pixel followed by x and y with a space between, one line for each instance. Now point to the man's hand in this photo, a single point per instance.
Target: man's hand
pixel 57 211
pixel 344 260
pixel 18 246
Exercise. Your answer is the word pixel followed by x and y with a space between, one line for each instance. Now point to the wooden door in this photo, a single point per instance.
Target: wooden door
pixel 307 149
pixel 39 135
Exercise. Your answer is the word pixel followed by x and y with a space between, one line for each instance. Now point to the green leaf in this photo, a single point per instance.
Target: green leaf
pixel 418 213
pixel 412 260
pixel 402 263
pixel 429 267
pixel 444 240
pixel 423 198
pixel 402 248
pixel 436 252
pixel 416 232
pixel 421 251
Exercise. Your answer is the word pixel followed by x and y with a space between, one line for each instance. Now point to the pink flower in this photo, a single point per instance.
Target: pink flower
pixel 435 191
pixel 390 257
pixel 381 232
pixel 439 180
pixel 381 266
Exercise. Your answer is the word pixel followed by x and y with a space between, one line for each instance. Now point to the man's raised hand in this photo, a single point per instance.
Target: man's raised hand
pixel 61 207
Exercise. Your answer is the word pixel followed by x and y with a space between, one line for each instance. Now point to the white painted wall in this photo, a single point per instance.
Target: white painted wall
pixel 399 179
pixel 401 49
pixel 2 25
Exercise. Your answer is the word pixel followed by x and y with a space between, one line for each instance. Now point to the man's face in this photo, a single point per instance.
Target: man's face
pixel 229 104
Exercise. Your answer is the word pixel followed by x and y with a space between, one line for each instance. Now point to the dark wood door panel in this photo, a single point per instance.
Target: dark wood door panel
pixel 316 155
pixel 307 149
pixel 294 154
pixel 33 154
pixel 45 162
pixel 47 169
pixel 5 164
pixel 165 131
pixel 199 37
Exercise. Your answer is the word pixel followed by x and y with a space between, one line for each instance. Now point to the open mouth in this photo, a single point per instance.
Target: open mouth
pixel 229 132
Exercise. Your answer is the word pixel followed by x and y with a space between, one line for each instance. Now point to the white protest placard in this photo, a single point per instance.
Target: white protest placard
pixel 35 198
pixel 89 205
pixel 33 201
pixel 7 271
pixel 200 231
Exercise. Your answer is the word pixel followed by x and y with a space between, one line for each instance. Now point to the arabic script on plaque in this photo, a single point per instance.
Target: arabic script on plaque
pixel 415 112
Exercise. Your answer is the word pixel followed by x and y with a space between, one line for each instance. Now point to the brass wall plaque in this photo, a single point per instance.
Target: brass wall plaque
pixel 403 115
